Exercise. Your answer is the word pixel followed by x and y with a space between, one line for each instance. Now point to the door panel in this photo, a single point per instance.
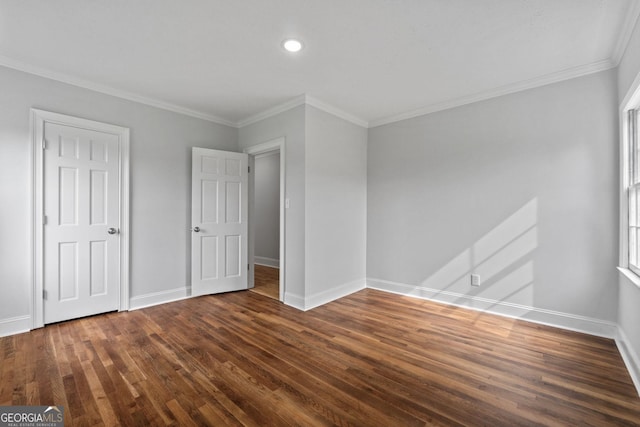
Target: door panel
pixel 81 202
pixel 98 268
pixel 98 196
pixel 219 221
pixel 67 271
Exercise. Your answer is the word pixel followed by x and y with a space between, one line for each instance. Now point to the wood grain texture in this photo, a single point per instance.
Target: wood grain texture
pixel 267 281
pixel 370 359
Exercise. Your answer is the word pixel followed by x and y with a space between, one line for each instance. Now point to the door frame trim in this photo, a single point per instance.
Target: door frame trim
pixel 38 118
pixel 265 147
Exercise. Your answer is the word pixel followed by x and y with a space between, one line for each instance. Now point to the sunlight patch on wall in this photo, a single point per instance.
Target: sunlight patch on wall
pixel 500 257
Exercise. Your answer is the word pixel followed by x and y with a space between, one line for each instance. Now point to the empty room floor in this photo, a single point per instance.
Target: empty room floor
pixel 371 358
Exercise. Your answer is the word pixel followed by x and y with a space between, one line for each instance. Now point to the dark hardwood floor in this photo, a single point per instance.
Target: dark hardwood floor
pixel 370 359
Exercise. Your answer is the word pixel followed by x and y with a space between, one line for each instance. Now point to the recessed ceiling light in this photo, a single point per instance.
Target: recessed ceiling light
pixel 292 45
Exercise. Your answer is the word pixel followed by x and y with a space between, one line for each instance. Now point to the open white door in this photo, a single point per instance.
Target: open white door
pixel 218 221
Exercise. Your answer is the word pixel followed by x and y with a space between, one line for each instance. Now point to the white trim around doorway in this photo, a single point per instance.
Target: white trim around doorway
pixel 38 120
pixel 277 144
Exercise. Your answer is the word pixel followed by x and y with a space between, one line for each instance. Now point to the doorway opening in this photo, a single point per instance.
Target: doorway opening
pixel 266 219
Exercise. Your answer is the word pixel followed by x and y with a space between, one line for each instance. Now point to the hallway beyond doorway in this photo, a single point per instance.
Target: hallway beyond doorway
pixel 267 281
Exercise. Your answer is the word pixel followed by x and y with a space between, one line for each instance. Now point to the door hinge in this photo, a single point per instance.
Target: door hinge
pixel 247 267
pixel 44 220
pixel 44 294
pixel 44 144
pixel 249 169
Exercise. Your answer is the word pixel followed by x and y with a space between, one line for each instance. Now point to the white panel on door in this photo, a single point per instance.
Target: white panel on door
pixel 98 266
pixel 209 201
pixel 98 195
pixel 233 202
pixel 233 256
pixel 209 165
pixel 209 270
pixel 98 151
pixel 69 147
pixel 68 196
pixel 232 167
pixel 67 271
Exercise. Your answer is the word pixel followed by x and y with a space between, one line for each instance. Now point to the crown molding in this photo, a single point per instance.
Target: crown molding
pixel 273 111
pixel 336 112
pixel 632 18
pixel 107 90
pixel 556 77
pixel 567 74
pixel 630 22
pixel 303 100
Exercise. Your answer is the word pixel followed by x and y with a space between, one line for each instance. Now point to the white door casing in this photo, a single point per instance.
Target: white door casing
pixel 80 217
pixel 277 144
pixel 218 221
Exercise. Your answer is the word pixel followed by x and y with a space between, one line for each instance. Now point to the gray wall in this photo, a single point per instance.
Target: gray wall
pixel 326 186
pixel 336 206
pixel 291 126
pixel 160 181
pixel 629 64
pixel 267 207
pixel 521 189
pixel 629 302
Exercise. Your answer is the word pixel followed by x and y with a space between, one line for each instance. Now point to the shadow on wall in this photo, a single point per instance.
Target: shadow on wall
pixel 502 260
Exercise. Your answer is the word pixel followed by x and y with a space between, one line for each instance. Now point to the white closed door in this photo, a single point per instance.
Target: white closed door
pixel 219 232
pixel 82 219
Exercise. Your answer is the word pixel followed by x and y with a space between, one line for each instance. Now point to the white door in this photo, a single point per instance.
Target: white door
pixel 218 221
pixel 82 219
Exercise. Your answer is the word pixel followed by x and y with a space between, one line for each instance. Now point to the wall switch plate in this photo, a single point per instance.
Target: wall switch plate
pixel 475 280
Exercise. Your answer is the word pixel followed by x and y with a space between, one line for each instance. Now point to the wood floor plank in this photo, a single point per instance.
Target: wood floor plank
pixel 370 359
pixel 266 281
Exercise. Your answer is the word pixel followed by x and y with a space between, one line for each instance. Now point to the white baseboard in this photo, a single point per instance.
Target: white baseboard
pixel 588 325
pixel 15 325
pixel 156 298
pixel 269 262
pixel 630 358
pixel 324 297
pixel 333 294
pixel 293 300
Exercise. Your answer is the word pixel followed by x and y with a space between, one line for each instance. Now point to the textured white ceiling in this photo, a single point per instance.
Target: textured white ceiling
pixel 375 59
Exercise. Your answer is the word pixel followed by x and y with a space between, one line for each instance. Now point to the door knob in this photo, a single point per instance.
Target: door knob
pixel 196 229
pixel 112 230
